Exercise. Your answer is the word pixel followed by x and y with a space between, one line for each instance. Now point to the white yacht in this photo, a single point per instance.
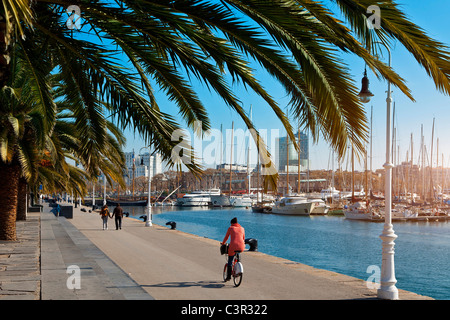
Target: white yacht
pixel 197 198
pixel 401 211
pixel 331 192
pixel 293 205
pixel 358 211
pixel 220 200
pixel 242 201
pixel 319 207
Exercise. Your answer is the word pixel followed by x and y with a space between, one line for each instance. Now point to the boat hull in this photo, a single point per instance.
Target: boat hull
pixel 241 202
pixel 298 209
pixel 125 203
pixel 358 215
pixel 220 201
pixel 319 208
pixel 194 202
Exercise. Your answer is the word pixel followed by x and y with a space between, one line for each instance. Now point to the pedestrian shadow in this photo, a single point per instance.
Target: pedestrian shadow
pixel 185 284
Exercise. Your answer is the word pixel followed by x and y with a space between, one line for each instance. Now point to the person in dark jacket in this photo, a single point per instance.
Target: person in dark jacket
pixel 118 215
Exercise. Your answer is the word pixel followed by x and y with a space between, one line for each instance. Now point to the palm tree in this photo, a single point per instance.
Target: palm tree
pixel 127 49
pixel 28 138
pixel 160 39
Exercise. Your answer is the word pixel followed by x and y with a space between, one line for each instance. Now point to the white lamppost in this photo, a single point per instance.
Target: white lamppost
pixel 93 195
pixel 148 222
pixel 104 189
pixel 387 289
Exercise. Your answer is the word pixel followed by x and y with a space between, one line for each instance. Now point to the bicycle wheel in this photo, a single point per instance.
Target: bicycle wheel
pixel 225 272
pixel 237 278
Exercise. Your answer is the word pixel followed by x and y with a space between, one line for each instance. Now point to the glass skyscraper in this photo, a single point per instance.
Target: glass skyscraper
pixel 282 154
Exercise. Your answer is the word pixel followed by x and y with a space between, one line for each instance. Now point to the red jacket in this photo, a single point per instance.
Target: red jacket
pixel 237 238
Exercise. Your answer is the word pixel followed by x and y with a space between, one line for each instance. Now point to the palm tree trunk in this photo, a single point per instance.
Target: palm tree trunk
pixel 9 186
pixel 22 200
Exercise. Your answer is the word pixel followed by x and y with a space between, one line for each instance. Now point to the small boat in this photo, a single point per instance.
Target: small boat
pixel 331 192
pixel 336 212
pixel 319 207
pixel 405 212
pixel 241 201
pixel 293 205
pixel 358 211
pixel 263 206
pixel 167 203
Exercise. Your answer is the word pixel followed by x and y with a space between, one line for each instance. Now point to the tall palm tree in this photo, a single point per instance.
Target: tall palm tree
pixel 126 49
pixel 27 138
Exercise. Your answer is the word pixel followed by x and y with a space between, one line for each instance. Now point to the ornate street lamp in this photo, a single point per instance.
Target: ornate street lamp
pixel 387 289
pixel 365 94
pixel 148 221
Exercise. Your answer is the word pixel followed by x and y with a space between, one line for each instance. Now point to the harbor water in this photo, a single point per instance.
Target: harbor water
pixel 422 249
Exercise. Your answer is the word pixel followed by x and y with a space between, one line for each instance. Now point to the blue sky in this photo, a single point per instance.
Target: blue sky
pixel 409 116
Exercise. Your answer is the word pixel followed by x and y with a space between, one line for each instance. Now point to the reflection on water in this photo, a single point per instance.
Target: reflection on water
pixel 422 249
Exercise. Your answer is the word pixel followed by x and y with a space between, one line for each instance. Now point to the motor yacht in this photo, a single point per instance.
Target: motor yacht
pixel 293 205
pixel 197 198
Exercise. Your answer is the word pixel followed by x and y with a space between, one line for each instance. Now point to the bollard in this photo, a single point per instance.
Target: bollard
pixel 253 243
pixel 172 224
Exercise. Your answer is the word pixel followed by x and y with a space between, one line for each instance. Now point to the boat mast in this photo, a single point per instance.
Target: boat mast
pixel 231 154
pixel 423 163
pixel 298 162
pixel 353 174
pixel 287 163
pixel 332 175
pixel 134 167
pixel 431 162
pixel 411 171
pixel 248 157
pixel 221 158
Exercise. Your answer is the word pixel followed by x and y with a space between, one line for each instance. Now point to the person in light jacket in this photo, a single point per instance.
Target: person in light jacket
pixel 105 215
pixel 237 242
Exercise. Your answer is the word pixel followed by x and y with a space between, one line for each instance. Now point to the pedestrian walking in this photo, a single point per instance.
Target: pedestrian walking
pixel 118 215
pixel 105 215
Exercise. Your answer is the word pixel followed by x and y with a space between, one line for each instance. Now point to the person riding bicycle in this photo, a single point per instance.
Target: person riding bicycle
pixel 237 243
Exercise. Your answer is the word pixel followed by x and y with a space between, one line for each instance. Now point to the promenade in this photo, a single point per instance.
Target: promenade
pixel 146 263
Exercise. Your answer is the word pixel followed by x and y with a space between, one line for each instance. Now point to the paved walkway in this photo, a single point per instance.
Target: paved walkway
pixel 141 262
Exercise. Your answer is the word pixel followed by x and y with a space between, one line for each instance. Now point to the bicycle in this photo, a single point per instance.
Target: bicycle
pixel 237 269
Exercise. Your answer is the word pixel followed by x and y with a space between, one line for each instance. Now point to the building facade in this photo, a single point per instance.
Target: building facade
pixel 140 164
pixel 285 149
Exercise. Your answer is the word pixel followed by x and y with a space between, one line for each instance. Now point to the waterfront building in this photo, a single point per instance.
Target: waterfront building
pixel 234 167
pixel 140 164
pixel 281 154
